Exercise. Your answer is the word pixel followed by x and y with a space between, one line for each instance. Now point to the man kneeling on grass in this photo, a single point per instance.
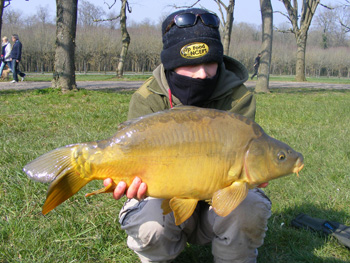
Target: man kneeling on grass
pixel 195 72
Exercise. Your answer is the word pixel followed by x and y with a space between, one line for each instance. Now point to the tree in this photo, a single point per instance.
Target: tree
pixel 227 24
pixel 326 21
pixel 3 4
pixel 125 38
pixel 88 12
pixel 267 36
pixel 300 32
pixel 124 32
pixel 344 19
pixel 43 14
pixel 64 72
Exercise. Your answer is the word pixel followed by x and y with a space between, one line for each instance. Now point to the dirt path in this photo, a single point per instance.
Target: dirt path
pixel 121 85
pixel 91 85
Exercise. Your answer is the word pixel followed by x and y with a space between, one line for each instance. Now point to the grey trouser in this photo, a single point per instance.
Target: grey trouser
pixel 235 238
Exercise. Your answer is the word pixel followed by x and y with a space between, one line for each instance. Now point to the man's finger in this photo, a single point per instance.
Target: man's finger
pixel 133 188
pixel 107 181
pixel 141 193
pixel 119 191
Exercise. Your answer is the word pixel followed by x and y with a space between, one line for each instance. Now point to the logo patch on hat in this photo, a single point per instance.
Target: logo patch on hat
pixel 194 50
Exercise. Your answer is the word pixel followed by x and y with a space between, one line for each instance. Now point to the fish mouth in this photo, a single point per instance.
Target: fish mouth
pixel 298 166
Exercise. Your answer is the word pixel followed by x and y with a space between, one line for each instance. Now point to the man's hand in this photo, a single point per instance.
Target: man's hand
pixel 137 189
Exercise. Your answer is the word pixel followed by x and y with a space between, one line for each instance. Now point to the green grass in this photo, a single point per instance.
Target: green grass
pixel 331 80
pixel 314 122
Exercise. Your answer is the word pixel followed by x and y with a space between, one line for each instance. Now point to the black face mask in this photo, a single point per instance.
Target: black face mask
pixel 191 91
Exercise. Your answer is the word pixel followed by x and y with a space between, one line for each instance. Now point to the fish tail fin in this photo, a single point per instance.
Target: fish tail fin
pixel 49 166
pixel 59 168
pixel 65 186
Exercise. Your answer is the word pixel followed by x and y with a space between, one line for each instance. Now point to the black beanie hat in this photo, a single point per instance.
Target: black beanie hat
pixel 179 44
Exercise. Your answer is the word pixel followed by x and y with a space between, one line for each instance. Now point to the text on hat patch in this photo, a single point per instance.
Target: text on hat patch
pixel 194 50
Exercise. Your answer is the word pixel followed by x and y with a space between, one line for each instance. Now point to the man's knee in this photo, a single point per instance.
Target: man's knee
pixel 155 242
pixel 239 234
pixel 151 233
pixel 253 217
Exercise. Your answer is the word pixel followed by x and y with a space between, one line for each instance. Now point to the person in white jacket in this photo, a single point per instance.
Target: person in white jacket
pixel 5 54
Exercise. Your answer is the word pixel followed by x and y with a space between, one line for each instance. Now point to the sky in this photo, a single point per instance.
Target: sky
pixel 245 10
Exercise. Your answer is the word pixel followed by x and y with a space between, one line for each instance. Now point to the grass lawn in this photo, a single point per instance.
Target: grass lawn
pixel 313 122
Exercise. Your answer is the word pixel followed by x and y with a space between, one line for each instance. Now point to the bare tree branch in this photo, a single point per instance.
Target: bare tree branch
pixel 107 19
pixel 292 13
pixel 347 28
pixel 185 6
pixel 288 31
pixel 220 3
pixel 113 18
pixel 110 6
pixel 283 14
pixel 221 12
pixel 326 6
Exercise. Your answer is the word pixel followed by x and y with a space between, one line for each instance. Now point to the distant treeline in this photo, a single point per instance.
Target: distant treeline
pixel 98 47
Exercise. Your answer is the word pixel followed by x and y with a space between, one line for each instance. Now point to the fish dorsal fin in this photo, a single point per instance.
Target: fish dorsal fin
pixel 182 208
pixel 166 206
pixel 227 199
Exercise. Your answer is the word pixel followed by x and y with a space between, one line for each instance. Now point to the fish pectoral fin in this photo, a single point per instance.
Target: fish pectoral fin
pixel 182 208
pixel 108 189
pixel 227 199
pixel 166 206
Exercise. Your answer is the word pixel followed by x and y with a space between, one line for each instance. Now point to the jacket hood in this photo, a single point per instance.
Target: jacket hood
pixel 232 74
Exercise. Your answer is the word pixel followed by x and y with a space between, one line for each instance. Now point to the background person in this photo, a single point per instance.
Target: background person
pixel 256 66
pixel 193 72
pixel 15 56
pixel 5 54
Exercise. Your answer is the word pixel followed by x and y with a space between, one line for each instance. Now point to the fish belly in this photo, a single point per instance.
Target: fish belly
pixel 168 171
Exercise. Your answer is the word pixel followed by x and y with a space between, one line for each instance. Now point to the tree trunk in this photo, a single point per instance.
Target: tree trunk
pixel 267 36
pixel 307 13
pixel 228 27
pixel 300 63
pixel 85 66
pixel 2 4
pixel 64 72
pixel 125 39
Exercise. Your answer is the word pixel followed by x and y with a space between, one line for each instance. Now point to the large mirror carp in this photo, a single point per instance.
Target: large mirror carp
pixel 184 155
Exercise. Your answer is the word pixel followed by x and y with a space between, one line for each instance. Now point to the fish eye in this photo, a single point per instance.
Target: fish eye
pixel 281 156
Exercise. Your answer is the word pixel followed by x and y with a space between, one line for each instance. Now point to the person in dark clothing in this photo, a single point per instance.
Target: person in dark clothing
pixel 256 66
pixel 15 57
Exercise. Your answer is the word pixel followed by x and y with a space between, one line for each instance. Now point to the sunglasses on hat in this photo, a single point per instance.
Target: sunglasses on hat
pixel 189 19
